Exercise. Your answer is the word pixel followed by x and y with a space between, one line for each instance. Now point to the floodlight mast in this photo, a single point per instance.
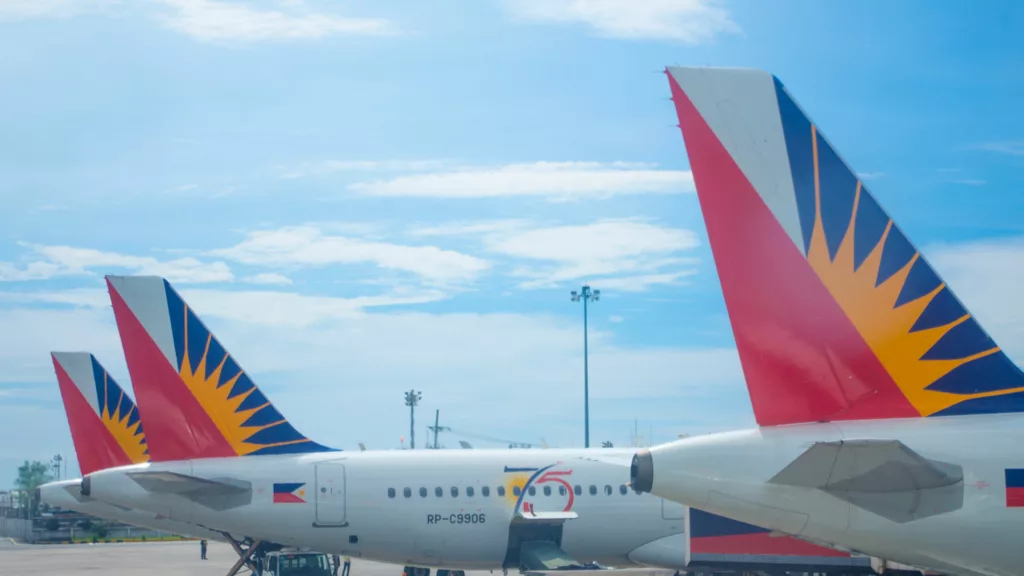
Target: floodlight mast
pixel 585 295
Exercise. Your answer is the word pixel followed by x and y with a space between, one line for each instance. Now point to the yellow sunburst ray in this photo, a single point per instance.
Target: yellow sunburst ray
pixel 214 398
pixel 872 309
pixel 129 438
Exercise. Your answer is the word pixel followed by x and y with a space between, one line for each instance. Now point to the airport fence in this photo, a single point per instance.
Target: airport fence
pixel 19 528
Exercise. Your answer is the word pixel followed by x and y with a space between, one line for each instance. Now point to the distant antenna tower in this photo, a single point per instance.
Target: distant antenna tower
pixel 637 440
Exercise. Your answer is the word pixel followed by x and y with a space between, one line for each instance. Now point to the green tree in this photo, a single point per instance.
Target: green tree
pixel 31 475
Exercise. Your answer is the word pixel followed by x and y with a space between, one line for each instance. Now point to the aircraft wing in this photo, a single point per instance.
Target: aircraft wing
pixel 216 494
pixel 882 476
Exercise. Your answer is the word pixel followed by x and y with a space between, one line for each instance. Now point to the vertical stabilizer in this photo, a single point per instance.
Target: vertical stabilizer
pixel 836 315
pixel 196 400
pixel 104 421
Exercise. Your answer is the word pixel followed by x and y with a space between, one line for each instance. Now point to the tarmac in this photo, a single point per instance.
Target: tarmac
pixel 141 559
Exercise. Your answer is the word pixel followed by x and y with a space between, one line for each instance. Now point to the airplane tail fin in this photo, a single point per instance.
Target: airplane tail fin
pixel 836 314
pixel 195 399
pixel 104 421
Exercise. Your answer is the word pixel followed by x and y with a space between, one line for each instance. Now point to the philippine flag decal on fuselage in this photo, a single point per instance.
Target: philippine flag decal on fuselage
pixel 289 493
pixel 1014 487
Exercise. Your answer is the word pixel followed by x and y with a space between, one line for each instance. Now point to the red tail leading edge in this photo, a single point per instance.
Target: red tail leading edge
pixel 836 315
pixel 104 421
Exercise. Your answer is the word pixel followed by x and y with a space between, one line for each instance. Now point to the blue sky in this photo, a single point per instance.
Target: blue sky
pixel 363 197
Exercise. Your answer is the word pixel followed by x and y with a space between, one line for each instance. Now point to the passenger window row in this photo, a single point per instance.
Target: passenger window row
pixel 485 491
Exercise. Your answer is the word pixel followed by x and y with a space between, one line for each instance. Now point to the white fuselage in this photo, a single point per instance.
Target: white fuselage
pixel 728 474
pixel 65 494
pixel 385 505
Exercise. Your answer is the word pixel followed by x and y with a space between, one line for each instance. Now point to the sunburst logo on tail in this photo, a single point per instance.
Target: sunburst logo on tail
pixel 884 308
pixel 239 410
pixel 120 416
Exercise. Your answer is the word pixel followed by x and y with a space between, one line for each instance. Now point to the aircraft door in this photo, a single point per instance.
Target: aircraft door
pixel 330 494
pixel 672 510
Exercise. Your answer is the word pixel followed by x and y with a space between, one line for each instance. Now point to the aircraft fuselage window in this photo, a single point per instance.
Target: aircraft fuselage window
pixel 623 489
pixel 485 491
pixel 547 490
pixel 438 492
pixel 423 492
pixel 577 489
pixel 516 490
pixel 407 492
pixel 607 490
pixel 469 491
pixel 501 490
pixel 562 490
pixel 391 492
pixel 533 491
pixel 455 492
pixel 593 490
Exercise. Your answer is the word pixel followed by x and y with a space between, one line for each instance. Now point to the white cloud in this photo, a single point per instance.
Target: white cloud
pixel 642 282
pixel 605 240
pixel 268 308
pixel 71 261
pixel 971 182
pixel 468 228
pixel 77 297
pixel 688 21
pixel 10 272
pixel 30 335
pixel 268 278
pixel 331 166
pixel 1011 147
pixel 211 20
pixel 870 175
pixel 339 376
pixel 33 9
pixel 257 307
pixel 987 275
pixel 635 251
pixel 559 180
pixel 616 319
pixel 309 246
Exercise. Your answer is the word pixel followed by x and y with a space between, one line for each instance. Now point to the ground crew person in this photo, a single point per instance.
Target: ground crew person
pixel 348 566
pixel 202 549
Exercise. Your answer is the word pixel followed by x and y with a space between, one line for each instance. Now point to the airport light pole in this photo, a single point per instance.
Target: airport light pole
pixel 586 295
pixel 412 399
pixel 56 466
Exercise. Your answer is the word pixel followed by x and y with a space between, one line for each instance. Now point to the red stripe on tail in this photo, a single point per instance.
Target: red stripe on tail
pixel 95 446
pixel 177 427
pixel 803 359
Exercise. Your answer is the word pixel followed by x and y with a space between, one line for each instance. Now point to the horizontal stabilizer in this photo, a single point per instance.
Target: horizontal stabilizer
pixel 218 494
pixel 881 476
pixel 75 490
